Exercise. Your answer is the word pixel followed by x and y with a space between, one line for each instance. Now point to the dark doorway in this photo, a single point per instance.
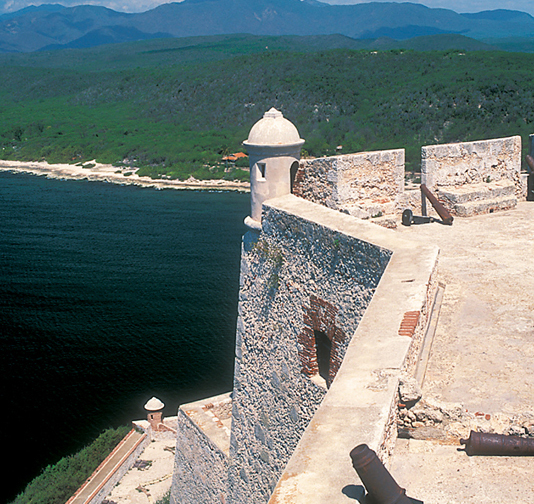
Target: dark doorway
pixel 293 173
pixel 323 348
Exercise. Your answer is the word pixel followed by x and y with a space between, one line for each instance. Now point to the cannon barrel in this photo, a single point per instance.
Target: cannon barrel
pixel 480 443
pixel 530 163
pixel 380 485
pixel 408 218
pixel 446 217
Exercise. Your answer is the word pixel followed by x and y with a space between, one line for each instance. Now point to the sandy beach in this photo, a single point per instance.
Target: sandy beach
pixel 109 173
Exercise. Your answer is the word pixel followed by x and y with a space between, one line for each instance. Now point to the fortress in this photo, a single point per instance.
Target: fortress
pixel 338 340
pixel 334 318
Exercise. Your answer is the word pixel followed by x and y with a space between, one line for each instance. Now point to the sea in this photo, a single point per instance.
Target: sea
pixel 109 295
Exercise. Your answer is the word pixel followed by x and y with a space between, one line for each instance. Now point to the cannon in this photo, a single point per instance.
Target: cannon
pixel 446 217
pixel 408 218
pixel 378 482
pixel 480 443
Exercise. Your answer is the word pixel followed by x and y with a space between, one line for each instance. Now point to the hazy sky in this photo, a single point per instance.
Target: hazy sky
pixel 143 5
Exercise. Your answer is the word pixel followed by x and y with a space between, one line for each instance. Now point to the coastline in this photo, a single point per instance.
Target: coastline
pixel 109 173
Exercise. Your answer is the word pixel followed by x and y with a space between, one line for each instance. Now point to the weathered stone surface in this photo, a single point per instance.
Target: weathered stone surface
pixel 484 207
pixel 296 277
pixel 360 406
pixel 477 199
pixel 409 199
pixel 343 181
pixel 454 165
pixel 476 192
pixel 409 391
pixel 202 445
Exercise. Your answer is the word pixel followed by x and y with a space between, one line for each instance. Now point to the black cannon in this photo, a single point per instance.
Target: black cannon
pixel 380 485
pixel 480 443
pixel 408 218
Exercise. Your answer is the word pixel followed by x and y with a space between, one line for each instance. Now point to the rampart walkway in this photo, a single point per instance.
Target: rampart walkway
pixel 482 357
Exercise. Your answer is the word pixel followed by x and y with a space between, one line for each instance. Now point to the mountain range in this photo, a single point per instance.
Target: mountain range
pixel 49 27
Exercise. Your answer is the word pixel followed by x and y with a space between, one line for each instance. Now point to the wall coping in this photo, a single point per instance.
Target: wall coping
pixel 203 416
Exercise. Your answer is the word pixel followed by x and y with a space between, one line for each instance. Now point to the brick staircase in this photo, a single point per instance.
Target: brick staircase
pixel 476 199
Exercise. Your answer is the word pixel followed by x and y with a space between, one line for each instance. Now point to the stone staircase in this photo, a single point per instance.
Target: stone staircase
pixel 379 211
pixel 476 199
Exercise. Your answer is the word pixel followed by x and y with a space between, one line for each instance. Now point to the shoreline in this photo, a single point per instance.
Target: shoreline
pixel 112 174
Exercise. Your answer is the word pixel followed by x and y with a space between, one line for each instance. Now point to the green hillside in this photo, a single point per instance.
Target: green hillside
pixel 513 44
pixel 175 106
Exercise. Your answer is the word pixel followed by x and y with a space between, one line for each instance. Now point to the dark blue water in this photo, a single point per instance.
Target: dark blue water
pixel 108 295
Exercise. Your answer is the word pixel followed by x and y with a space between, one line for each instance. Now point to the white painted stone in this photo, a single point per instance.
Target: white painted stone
pixel 273 146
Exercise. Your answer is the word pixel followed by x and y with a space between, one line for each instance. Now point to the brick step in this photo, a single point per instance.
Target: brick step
pixel 479 207
pixel 451 196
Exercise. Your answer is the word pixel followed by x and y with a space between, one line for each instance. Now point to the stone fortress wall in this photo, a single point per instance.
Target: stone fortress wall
pixel 485 161
pixel 469 178
pixel 311 272
pixel 473 178
pixel 298 277
pixel 201 462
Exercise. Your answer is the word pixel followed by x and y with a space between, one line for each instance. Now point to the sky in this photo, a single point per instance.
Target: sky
pixel 144 5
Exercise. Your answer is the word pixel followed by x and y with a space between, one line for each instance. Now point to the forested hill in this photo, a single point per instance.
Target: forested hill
pixel 52 27
pixel 176 106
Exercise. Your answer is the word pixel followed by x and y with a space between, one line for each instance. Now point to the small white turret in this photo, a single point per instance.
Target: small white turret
pixel 273 147
pixel 154 408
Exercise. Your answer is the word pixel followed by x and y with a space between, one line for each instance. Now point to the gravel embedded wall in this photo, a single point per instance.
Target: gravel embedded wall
pixel 295 275
pixel 472 163
pixel 344 180
pixel 200 467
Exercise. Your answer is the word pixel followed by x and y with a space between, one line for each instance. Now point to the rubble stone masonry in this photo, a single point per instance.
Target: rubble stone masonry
pixel 296 277
pixel 340 181
pixel 201 467
pixel 454 165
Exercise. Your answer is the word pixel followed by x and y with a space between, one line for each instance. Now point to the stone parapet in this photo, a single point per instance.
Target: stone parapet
pixel 302 282
pixel 364 184
pixel 484 161
pixel 202 443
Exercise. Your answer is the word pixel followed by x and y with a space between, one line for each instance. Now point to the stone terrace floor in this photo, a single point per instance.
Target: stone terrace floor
pixel 482 356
